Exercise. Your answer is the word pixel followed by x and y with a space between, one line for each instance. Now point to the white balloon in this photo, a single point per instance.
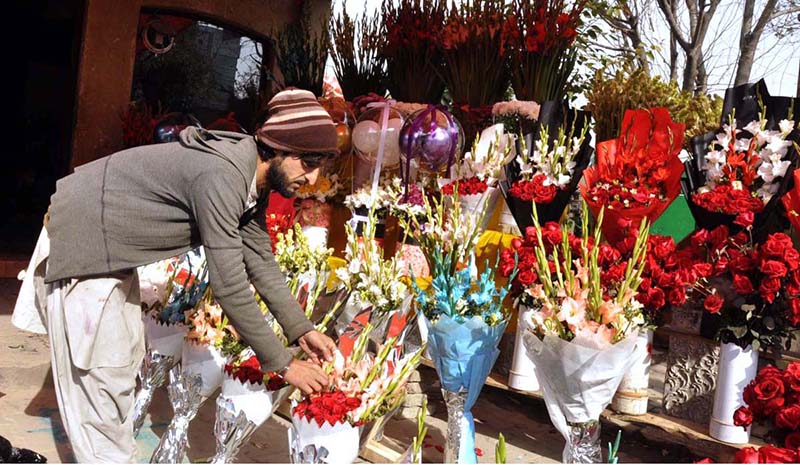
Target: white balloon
pixel 366 137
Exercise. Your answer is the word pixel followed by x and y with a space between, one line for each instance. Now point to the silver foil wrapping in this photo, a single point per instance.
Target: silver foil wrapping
pixel 152 375
pixel 457 427
pixel 231 431
pixel 184 394
pixel 307 454
pixel 583 443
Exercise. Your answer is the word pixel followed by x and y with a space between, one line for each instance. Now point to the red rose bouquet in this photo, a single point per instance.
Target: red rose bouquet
pixel 773 399
pixel 249 371
pixel 470 186
pixel 638 174
pixel 754 289
pixel 766 454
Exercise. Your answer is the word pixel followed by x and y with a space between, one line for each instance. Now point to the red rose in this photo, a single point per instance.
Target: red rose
pixel 776 245
pixel 608 255
pixel 741 264
pixel 768 288
pixel 718 236
pixel 792 376
pixel 742 284
pixel 656 297
pixel 742 416
pixel 699 238
pixel 721 265
pixel 788 417
pixel 705 460
pixel 703 270
pixel 773 268
pixel 769 388
pixel 770 454
pixel 663 247
pixel 794 307
pixel 713 303
pixel 527 277
pixel 792 441
pixel 746 455
pixel 677 296
pixel 745 219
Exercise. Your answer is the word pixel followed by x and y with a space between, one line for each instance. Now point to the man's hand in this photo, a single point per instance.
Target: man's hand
pixel 306 376
pixel 318 346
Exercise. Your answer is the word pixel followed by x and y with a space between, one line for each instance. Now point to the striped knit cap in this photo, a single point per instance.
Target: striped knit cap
pixel 298 123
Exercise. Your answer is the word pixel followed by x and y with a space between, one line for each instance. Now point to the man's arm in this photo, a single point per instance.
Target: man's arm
pixel 269 281
pixel 218 205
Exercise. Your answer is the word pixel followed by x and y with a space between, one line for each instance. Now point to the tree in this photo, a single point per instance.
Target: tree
pixel 700 13
pixel 627 18
pixel 753 28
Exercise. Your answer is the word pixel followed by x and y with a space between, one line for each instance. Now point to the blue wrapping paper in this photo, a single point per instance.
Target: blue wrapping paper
pixel 464 354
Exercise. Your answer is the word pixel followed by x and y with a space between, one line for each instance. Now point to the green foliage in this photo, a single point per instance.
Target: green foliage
pixel 302 52
pixel 500 450
pixel 630 88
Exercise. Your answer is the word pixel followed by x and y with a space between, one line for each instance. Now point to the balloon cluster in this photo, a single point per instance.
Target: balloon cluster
pixel 433 137
pixel 367 135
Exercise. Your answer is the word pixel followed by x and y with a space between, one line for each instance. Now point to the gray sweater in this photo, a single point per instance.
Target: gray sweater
pixel 153 202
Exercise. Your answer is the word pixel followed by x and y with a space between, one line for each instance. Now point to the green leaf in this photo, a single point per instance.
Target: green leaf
pixel 738 331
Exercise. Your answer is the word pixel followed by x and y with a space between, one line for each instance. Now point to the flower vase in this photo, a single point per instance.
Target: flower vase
pixel 737 367
pixel 522 375
pixel 473 205
pixel 632 394
pixel 341 441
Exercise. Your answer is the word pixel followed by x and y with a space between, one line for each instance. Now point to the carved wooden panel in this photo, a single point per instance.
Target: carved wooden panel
pixel 689 384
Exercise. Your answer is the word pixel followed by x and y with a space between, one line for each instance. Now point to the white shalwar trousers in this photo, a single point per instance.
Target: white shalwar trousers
pixel 97 344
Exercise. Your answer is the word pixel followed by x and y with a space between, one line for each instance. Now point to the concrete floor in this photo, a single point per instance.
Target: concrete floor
pixel 30 415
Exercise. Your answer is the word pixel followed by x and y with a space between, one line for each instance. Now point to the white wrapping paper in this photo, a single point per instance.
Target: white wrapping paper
pixel 578 377
pixel 164 339
pixel 205 361
pixel 341 440
pixel 252 399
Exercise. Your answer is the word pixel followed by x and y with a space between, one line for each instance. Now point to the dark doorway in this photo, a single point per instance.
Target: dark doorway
pixel 40 72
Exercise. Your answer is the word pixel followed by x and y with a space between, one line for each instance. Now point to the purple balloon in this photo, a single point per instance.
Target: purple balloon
pixel 431 143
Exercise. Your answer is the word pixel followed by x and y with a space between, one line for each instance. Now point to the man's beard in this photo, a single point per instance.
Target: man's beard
pixel 278 181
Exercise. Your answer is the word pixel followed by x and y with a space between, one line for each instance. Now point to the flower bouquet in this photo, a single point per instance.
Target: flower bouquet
pixel 198 376
pixel 475 43
pixel 542 57
pixel 548 174
pixel 741 170
pixel 584 328
pixel 773 400
pixel 462 315
pixel 669 275
pixel 518 116
pixel 412 51
pixel 167 289
pixel 362 201
pixel 375 285
pixel 753 296
pixel 363 388
pixel 305 265
pixel 248 398
pixel 638 174
pixel 314 209
pixel 411 204
pixel 478 172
